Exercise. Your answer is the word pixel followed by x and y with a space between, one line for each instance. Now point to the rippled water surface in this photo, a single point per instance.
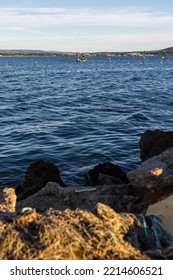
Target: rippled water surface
pixel 77 115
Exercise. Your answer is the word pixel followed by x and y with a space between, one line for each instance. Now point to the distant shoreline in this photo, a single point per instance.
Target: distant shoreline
pixel 20 53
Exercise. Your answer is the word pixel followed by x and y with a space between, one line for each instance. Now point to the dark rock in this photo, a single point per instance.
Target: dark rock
pixel 155 195
pixel 154 142
pixel 104 179
pixel 37 176
pixel 113 171
pixel 56 197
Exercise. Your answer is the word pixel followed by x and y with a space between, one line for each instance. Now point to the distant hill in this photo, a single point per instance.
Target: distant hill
pixel 170 49
pixel 21 52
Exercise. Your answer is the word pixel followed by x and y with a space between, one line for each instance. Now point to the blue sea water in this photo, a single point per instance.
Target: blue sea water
pixel 77 115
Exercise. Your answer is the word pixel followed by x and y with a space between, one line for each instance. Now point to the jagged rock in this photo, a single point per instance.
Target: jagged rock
pixel 57 197
pixel 37 176
pixel 104 179
pixel 103 173
pixel 154 142
pixel 153 196
pixel 154 173
pixel 7 200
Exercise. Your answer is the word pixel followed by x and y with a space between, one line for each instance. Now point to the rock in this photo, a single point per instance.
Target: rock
pixel 59 198
pixel 37 176
pixel 7 200
pixel 154 173
pixel 155 195
pixel 104 179
pixel 106 174
pixel 154 142
pixel 164 211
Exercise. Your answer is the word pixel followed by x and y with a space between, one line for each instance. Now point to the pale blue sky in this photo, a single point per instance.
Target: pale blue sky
pixel 91 25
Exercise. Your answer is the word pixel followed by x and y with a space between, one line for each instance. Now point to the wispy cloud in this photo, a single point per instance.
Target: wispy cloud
pixel 41 17
pixel 71 29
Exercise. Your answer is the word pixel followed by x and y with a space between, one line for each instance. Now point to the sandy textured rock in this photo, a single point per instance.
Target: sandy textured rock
pixel 7 200
pixel 57 197
pixel 164 211
pixel 156 172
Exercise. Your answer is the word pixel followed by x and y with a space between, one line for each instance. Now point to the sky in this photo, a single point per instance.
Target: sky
pixel 86 26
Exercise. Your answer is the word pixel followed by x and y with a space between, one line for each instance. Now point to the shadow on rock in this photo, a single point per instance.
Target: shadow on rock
pixel 37 176
pixel 106 174
pixel 154 142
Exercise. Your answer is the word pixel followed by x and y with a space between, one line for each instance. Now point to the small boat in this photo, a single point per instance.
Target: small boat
pixel 81 58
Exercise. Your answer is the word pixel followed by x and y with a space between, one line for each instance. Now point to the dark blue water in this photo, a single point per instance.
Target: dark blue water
pixel 77 115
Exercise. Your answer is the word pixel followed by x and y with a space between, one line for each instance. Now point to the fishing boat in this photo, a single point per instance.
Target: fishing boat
pixel 81 58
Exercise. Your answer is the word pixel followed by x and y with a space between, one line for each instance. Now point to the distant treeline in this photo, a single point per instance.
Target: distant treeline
pixel 164 52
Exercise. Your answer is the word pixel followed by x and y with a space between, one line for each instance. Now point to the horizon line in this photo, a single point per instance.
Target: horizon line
pixel 56 51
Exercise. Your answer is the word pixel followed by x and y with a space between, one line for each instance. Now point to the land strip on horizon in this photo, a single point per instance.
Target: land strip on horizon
pixel 21 52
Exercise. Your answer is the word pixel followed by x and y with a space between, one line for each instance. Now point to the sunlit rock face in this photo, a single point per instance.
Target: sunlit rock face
pixel 156 172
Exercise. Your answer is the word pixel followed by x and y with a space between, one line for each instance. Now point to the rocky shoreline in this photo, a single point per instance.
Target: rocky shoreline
pixel 113 216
